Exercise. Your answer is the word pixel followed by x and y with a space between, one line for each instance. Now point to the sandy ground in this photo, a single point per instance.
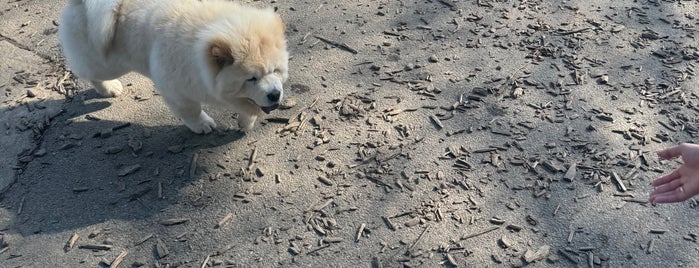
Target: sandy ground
pixel 472 133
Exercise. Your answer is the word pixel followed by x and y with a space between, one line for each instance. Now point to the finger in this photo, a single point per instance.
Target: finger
pixel 671 152
pixel 667 178
pixel 670 186
pixel 677 195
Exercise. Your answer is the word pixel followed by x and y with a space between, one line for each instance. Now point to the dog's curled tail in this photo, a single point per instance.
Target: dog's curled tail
pixel 101 16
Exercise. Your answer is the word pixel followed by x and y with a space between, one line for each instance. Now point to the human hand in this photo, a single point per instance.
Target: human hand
pixel 683 182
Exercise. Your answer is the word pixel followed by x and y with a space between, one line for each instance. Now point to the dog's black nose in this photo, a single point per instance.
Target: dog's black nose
pixel 274 96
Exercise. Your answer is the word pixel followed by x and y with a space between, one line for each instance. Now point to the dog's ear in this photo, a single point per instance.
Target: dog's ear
pixel 220 53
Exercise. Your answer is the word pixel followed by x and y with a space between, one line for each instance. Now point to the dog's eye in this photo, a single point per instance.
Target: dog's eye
pixel 253 79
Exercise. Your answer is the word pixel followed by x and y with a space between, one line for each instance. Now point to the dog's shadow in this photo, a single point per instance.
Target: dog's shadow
pixel 86 171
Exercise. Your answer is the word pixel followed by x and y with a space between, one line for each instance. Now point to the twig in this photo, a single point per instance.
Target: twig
pixel 418 239
pixel 343 46
pixel 448 3
pixel 480 233
pixel 252 159
pixel 205 262
pixel 317 249
pixel 118 259
pixel 573 31
pixel 193 165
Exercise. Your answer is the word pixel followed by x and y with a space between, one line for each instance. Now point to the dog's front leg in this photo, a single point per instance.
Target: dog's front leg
pixel 191 113
pixel 247 115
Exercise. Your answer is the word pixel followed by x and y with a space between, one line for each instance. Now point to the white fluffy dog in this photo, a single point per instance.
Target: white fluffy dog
pixel 195 52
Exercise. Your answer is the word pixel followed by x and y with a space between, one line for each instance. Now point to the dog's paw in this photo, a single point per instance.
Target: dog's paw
pixel 109 89
pixel 246 122
pixel 204 125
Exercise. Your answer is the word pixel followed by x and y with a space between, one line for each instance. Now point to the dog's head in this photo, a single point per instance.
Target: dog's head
pixel 247 58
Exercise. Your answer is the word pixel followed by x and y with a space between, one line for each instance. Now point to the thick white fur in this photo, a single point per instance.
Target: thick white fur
pixel 171 42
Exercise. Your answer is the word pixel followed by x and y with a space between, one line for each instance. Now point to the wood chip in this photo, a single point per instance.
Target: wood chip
pixel 71 242
pixel 252 159
pixel 205 262
pixel 96 246
pixel 143 240
pixel 618 181
pixel 412 222
pixel 161 249
pixel 388 223
pixel 118 259
pixel 437 122
pixel 480 233
pixel 451 260
pixel 325 180
pixel 360 231
pixel 224 221
pixel 174 221
pixel 571 172
pixel 342 46
pixel 128 170
pixel 505 241
pixel 193 165
pixel 331 239
pixel 540 254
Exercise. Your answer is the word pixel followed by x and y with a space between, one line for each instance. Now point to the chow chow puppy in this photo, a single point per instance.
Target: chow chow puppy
pixel 215 52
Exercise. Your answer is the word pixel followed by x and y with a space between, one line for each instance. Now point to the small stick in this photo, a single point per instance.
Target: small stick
pixel 568 256
pixel 225 220
pixel 360 232
pixel 618 181
pixel 118 259
pixel 206 262
pixel 96 247
pixel 571 234
pixel 451 260
pixel 437 122
pixel 143 240
pixel 193 165
pixel 418 239
pixel 450 5
pixel 339 45
pixel 305 37
pixel 161 249
pixel 632 200
pixel 168 222
pixel 572 31
pixel 71 242
pixel 253 158
pixel 480 233
pixel 322 206
pixel 325 180
pixel 329 240
pixel 312 104
pixel 317 249
pixel 21 205
pixel 388 223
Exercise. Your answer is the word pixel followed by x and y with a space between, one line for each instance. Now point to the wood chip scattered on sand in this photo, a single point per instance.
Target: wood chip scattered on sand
pixel 224 220
pixel 115 263
pixel 71 242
